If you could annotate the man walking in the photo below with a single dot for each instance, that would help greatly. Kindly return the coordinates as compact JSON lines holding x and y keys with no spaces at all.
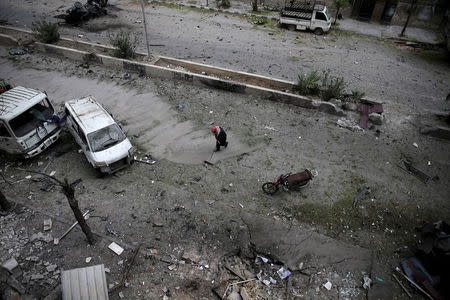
{"x":221,"y":137}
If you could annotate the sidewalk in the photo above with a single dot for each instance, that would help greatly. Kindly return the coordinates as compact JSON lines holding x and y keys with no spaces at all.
{"x":388,"y":31}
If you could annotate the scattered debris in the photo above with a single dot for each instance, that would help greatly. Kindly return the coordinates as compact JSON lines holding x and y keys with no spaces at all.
{"x":79,"y":13}
{"x":47,"y":224}
{"x":348,"y":124}
{"x":408,"y":168}
{"x":88,"y":259}
{"x":415,"y":145}
{"x":413,"y":283}
{"x":361,"y":193}
{"x":328,"y":285}
{"x":18,"y":51}
{"x":57,"y":240}
{"x":366,"y":108}
{"x":401,"y":285}
{"x":10,"y":264}
{"x":283,"y":273}
{"x":261,"y":259}
{"x":367,"y":282}
{"x":115,"y":248}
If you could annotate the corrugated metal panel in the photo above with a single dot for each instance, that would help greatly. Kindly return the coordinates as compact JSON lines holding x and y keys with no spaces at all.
{"x":84,"y":283}
{"x":17,"y":100}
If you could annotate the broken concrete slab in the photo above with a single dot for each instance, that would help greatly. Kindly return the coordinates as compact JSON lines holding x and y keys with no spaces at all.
{"x":293,"y":245}
{"x":10,"y":264}
{"x":437,"y":131}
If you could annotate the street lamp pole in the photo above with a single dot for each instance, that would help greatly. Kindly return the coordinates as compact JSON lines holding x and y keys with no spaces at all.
{"x":145,"y":27}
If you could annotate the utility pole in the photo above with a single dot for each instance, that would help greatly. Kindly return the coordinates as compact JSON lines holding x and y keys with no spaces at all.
{"x":145,"y":27}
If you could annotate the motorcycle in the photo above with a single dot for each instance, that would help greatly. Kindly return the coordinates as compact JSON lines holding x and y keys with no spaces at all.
{"x":289,"y":181}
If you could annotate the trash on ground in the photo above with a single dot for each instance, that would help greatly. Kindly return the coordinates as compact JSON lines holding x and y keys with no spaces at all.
{"x":47,"y":224}
{"x":261,"y":259}
{"x":409,"y":168}
{"x":18,"y":51}
{"x":283,"y":273}
{"x":328,"y":285}
{"x":348,"y":124}
{"x":88,"y":259}
{"x":52,"y":173}
{"x":415,"y":145}
{"x":367,"y":282}
{"x":115,"y":248}
{"x":361,"y":193}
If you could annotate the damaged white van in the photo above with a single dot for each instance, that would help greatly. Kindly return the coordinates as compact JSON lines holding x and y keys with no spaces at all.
{"x":101,"y":139}
{"x":27,"y":122}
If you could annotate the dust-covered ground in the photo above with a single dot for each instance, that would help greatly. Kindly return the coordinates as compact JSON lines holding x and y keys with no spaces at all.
{"x":204,"y":219}
{"x":411,"y":80}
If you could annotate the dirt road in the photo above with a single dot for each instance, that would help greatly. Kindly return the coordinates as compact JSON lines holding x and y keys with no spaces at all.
{"x":398,"y":77}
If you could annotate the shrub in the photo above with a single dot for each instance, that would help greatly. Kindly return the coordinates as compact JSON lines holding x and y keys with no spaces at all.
{"x":46,"y":32}
{"x":357,"y":95}
{"x":223,"y":3}
{"x":332,"y":87}
{"x":124,"y":43}
{"x":308,"y":84}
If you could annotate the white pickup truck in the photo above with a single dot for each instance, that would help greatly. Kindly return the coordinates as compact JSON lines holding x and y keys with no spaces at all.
{"x":302,"y":15}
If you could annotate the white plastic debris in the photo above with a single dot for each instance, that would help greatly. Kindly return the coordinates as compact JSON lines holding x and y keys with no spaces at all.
{"x":328,"y":285}
{"x":266,"y":282}
{"x":259,"y":259}
{"x":415,"y":145}
{"x":47,"y":224}
{"x":272,"y":281}
{"x":367,"y":282}
{"x":115,"y":248}
{"x":283,"y":273}
{"x":52,"y":173}
{"x":429,"y":163}
{"x":88,"y":259}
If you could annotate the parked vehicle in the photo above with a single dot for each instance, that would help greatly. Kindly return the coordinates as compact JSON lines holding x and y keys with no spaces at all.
{"x":101,"y":139}
{"x":27,"y":124}
{"x":305,"y":15}
{"x":289,"y":182}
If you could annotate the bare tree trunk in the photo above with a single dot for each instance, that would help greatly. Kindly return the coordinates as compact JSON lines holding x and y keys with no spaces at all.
{"x":69,"y":192}
{"x":4,"y":203}
{"x":410,"y":11}
{"x":337,"y":14}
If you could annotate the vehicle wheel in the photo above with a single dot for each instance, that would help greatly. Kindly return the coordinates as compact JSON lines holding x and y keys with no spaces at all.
{"x":291,"y":27}
{"x":270,"y":188}
{"x":318,"y":31}
{"x":99,"y":174}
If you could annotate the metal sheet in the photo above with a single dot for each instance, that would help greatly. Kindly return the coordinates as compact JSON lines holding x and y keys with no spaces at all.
{"x":84,"y":283}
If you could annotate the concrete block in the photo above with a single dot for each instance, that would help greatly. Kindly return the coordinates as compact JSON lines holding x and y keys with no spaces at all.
{"x":437,"y":131}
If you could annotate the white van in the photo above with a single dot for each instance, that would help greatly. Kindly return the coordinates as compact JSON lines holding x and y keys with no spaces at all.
{"x":26,"y":128}
{"x":101,"y":139}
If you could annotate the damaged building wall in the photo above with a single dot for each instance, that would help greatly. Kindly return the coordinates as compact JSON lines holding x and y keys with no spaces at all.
{"x":428,"y":13}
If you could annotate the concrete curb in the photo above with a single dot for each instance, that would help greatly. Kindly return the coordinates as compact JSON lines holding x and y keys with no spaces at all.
{"x":8,"y":40}
{"x":154,"y":70}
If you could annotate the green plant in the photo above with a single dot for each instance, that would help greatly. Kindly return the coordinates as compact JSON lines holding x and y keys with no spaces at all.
{"x":332,"y":87}
{"x":46,"y":32}
{"x":357,"y":95}
{"x":308,"y":84}
{"x":340,"y":4}
{"x":223,"y":3}
{"x":124,"y":43}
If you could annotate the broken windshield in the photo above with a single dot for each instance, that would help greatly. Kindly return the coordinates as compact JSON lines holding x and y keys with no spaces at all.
{"x":31,"y":118}
{"x":106,"y":137}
